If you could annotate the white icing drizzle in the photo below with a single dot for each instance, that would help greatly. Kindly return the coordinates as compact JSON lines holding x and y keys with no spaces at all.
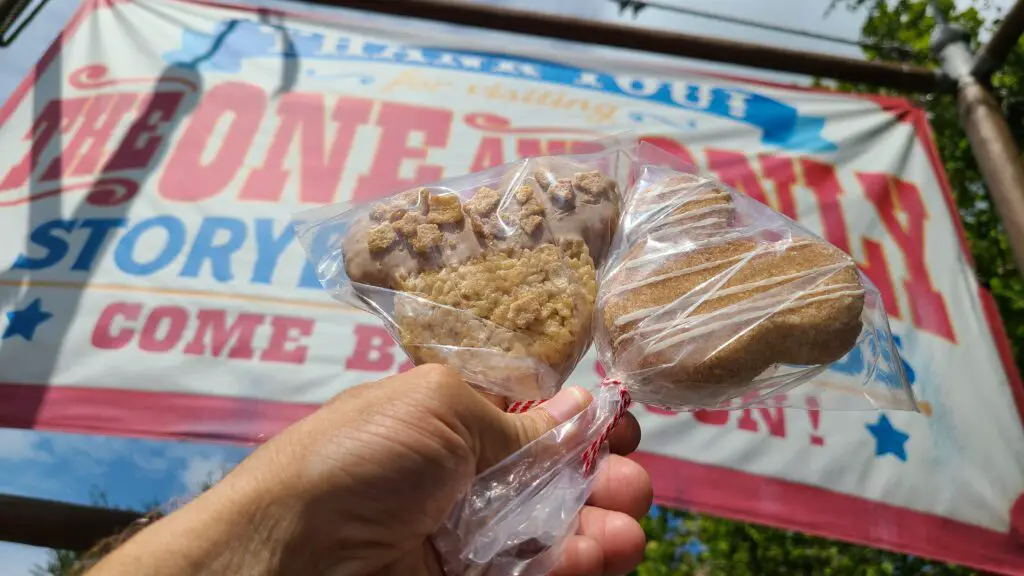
{"x":647,"y":199}
{"x":699,"y":267}
{"x":757,"y":308}
{"x":689,"y":246}
{"x":698,"y":212}
{"x":792,"y":304}
{"x":704,"y":223}
{"x":825,"y":271}
{"x":662,"y":189}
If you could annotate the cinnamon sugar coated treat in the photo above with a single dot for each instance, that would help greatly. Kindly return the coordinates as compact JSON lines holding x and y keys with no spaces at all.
{"x":701,"y":305}
{"x":678,"y":199}
{"x":509,"y":268}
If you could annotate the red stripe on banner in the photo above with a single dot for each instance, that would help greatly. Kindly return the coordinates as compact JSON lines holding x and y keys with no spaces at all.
{"x":1002,"y":342}
{"x":678,"y":483}
{"x":733,"y":494}
{"x":995,"y":322}
{"x":142,"y":414}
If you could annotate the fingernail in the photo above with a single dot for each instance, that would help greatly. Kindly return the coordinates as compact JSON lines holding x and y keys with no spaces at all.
{"x":567,"y":403}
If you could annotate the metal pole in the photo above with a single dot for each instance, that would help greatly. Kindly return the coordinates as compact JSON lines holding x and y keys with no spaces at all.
{"x":891,"y":75}
{"x":51,"y":524}
{"x":992,"y":55}
{"x":987,"y":131}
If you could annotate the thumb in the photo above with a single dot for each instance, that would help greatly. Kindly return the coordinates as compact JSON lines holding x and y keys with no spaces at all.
{"x":514,"y":431}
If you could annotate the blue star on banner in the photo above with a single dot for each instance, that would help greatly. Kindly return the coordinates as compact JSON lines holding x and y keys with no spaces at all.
{"x":888,"y":439}
{"x":24,"y":322}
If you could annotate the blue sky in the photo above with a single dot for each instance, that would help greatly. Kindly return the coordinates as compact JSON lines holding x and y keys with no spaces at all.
{"x":132,"y":473}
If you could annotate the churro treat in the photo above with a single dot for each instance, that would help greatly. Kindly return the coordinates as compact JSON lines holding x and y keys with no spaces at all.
{"x":710,"y":297}
{"x":494,"y":273}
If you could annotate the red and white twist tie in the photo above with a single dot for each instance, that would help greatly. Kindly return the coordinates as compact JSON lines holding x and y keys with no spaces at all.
{"x":522,"y":406}
{"x":592,"y":451}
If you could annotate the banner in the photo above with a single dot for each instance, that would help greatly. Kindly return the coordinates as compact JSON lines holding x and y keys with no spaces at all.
{"x":152,"y":284}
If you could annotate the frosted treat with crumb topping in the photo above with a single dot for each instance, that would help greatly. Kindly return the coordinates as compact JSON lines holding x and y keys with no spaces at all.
{"x":509,"y":266}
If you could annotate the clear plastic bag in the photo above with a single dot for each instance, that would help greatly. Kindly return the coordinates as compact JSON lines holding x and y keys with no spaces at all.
{"x":516,"y":516}
{"x":709,"y":299}
{"x":493,"y":273}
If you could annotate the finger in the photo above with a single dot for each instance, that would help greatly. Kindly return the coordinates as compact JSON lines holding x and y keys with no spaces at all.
{"x":625,"y":437}
{"x":538,"y":421}
{"x":501,"y":434}
{"x":581,"y":556}
{"x":623,"y":486}
{"x":619,"y":537}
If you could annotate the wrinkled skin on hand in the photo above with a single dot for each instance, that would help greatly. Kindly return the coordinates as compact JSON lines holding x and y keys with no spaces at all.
{"x":359,"y":486}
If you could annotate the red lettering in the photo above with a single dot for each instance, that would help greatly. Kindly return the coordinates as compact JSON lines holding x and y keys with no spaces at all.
{"x":780,"y":170}
{"x":659,"y":411}
{"x":712,"y":417}
{"x":163,"y":328}
{"x":57,"y":117}
{"x":398,"y":122}
{"x":302,"y":118}
{"x":876,"y":267}
{"x":529,"y":147}
{"x":893,"y":197}
{"x":285,"y":340}
{"x":107,"y":336}
{"x":734,"y":170}
{"x":821,"y":179}
{"x":489,"y":153}
{"x":198,"y":167}
{"x":145,"y":136}
{"x":215,"y":323}
{"x":88,"y":146}
{"x":372,"y":351}
{"x":774,"y":419}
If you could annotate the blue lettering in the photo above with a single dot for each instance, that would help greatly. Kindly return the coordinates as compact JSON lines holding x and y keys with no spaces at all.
{"x":219,"y":254}
{"x":269,"y":249}
{"x":210,"y":250}
{"x":56,"y":246}
{"x":231,"y":42}
{"x":124,"y":255}
{"x":99,"y":229}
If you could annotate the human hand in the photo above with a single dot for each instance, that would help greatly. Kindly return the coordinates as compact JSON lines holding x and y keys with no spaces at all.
{"x":359,"y":486}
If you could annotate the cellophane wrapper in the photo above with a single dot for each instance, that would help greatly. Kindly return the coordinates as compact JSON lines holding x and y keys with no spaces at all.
{"x":712,"y":300}
{"x":516,"y":516}
{"x":493,"y":273}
